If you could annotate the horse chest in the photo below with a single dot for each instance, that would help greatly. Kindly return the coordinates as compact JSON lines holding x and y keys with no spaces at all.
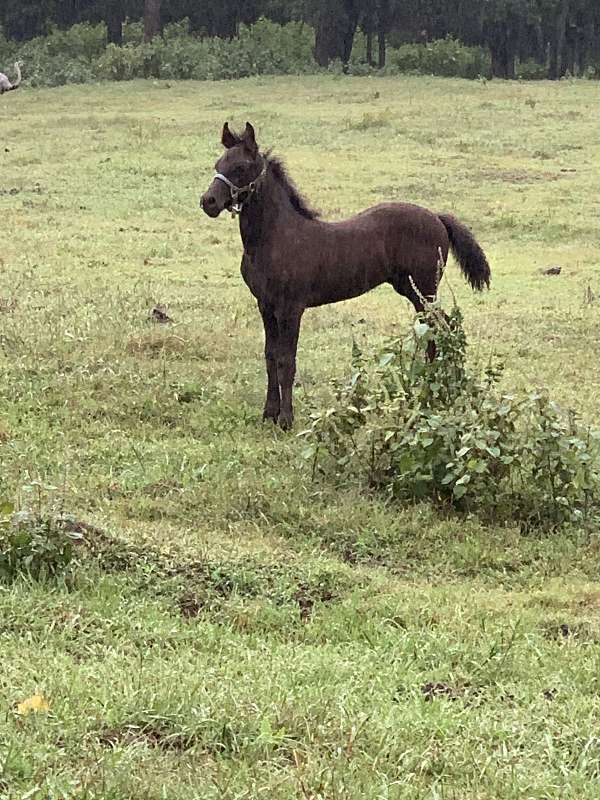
{"x":253,"y":276}
{"x":264,"y":283}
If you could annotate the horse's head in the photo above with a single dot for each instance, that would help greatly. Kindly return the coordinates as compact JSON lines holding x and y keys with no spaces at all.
{"x":237,"y":172}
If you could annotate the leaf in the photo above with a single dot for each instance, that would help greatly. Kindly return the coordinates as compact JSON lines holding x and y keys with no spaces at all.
{"x":308,"y":452}
{"x":6,"y":508}
{"x":35,"y":704}
{"x":421,"y":329}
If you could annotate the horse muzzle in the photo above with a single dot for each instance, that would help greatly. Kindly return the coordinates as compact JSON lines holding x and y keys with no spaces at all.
{"x":210,"y":206}
{"x":215,"y":199}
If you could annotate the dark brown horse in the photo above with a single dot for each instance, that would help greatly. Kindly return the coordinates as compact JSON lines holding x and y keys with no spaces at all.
{"x":293,"y":261}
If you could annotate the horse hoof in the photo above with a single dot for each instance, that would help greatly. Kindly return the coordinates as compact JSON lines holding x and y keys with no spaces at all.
{"x":286,"y":421}
{"x":270,"y":415}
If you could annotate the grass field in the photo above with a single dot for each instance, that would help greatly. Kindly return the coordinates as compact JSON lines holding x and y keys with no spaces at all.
{"x":241,"y":631}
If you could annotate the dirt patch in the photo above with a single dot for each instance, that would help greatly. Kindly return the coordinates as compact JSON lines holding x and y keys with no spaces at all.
{"x":7,"y":305}
{"x":518,"y":176}
{"x":158,"y":735}
{"x":156,"y":345}
{"x":431,"y":691}
{"x":558,"y":631}
{"x":197,"y":587}
{"x":306,"y":604}
{"x":569,"y":632}
{"x":190,"y":605}
{"x":469,"y":694}
{"x":589,"y":600}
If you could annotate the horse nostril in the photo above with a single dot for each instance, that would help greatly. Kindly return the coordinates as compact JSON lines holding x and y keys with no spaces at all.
{"x":210,"y":201}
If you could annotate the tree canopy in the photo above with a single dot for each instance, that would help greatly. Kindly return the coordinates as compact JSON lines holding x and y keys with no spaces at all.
{"x":564,"y":34}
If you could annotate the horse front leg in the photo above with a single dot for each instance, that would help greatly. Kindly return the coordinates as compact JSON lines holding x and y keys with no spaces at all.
{"x":273,"y":401}
{"x":289,"y":330}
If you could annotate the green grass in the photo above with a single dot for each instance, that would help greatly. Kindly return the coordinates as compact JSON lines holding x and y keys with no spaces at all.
{"x":240,"y":631}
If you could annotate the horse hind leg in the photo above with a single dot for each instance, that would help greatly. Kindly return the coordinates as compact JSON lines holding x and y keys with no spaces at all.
{"x":418,"y":294}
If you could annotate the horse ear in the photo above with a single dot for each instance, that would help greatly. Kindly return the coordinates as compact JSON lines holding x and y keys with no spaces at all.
{"x":227,"y":138}
{"x":250,"y":139}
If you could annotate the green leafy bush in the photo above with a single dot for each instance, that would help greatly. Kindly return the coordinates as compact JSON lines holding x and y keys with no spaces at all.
{"x":63,"y":57}
{"x":120,"y":63}
{"x":414,"y":428}
{"x":446,"y":57}
{"x":32,"y":545}
{"x":532,"y":71}
{"x":81,"y":55}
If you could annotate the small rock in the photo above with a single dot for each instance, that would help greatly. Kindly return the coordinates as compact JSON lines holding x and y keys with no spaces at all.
{"x":552,"y":271}
{"x":158,"y":314}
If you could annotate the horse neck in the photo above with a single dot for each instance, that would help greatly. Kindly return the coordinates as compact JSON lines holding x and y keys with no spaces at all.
{"x":265,"y":211}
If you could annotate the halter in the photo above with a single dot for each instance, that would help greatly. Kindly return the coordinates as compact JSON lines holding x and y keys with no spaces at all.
{"x":236,"y":191}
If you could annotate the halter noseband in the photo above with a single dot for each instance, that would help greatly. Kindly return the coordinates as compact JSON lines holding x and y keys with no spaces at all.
{"x":236,"y":191}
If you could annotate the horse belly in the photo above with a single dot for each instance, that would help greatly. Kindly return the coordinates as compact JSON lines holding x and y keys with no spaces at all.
{"x":352,"y":272}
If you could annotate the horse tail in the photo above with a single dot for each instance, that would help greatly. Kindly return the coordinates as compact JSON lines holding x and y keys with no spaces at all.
{"x":468,"y":253}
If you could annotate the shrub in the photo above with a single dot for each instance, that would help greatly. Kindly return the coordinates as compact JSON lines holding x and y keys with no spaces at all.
{"x":120,"y":63}
{"x":414,"y":428}
{"x":33,"y":545}
{"x":81,"y":54}
{"x":532,"y":71}
{"x":446,"y":57}
{"x":82,"y":41}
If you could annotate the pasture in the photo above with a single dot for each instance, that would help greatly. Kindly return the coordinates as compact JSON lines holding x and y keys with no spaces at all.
{"x":239,"y":630}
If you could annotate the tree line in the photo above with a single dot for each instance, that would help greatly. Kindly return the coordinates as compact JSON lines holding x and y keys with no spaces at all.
{"x":562,"y":34}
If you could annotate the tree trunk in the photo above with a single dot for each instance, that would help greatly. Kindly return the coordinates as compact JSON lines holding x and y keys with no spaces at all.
{"x":503,"y":42}
{"x":336,"y":26}
{"x":224,"y":19}
{"x":368,"y":25}
{"x":587,"y":45}
{"x":152,"y":26}
{"x":114,"y":22}
{"x":497,"y":44}
{"x":557,"y":49}
{"x":513,"y":32}
{"x":381,"y":48}
{"x":383,"y":19}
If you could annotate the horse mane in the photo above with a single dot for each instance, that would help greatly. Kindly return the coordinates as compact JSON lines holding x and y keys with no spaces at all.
{"x":280,"y":174}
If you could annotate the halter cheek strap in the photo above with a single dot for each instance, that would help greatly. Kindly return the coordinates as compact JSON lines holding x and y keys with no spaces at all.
{"x":236,"y":191}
